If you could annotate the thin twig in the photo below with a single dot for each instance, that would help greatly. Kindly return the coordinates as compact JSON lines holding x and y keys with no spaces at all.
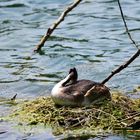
{"x":131,"y":59}
{"x":131,"y":117}
{"x":55,"y":24}
{"x":99,"y":110}
{"x":121,"y":67}
{"x":125,"y":24}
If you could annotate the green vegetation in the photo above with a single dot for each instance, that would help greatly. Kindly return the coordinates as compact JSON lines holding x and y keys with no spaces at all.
{"x":119,"y":113}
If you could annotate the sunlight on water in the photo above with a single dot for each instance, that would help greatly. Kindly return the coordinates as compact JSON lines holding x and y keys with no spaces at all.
{"x":92,"y":38}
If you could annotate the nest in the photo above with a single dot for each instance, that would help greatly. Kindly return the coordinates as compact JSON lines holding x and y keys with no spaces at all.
{"x":122,"y":112}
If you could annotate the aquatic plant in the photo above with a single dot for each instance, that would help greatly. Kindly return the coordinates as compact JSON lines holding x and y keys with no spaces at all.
{"x":120,"y":113}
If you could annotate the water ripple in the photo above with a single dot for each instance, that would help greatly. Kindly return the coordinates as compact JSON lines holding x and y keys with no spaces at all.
{"x":59,"y":38}
{"x":93,"y":38}
{"x":15,"y":5}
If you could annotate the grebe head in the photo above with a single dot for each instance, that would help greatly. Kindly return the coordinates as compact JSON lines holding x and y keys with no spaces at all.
{"x":71,"y":78}
{"x":74,"y":75}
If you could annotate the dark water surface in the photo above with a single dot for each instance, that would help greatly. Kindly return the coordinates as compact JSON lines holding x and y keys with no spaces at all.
{"x":92,"y":39}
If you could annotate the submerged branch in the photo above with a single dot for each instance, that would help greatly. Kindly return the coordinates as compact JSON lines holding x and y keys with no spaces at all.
{"x":55,"y":24}
{"x":121,"y":67}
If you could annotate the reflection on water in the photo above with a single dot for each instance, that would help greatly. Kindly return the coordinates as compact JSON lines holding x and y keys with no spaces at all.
{"x":92,"y":39}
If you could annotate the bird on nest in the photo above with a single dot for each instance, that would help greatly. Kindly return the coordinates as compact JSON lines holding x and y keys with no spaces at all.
{"x":73,"y":92}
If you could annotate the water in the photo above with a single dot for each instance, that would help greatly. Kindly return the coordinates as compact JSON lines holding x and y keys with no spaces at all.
{"x":92,"y":39}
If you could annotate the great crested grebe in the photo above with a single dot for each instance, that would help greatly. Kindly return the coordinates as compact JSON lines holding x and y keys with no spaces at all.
{"x":73,"y":92}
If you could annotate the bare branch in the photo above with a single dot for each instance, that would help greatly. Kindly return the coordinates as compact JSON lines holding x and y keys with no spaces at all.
{"x":126,"y":28}
{"x":121,"y":67}
{"x":132,"y":58}
{"x":55,"y":24}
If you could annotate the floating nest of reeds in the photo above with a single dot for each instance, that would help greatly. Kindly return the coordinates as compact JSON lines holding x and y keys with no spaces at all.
{"x":120,"y":113}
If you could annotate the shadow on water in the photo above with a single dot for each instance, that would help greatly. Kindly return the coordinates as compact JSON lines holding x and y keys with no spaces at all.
{"x":92,"y":39}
